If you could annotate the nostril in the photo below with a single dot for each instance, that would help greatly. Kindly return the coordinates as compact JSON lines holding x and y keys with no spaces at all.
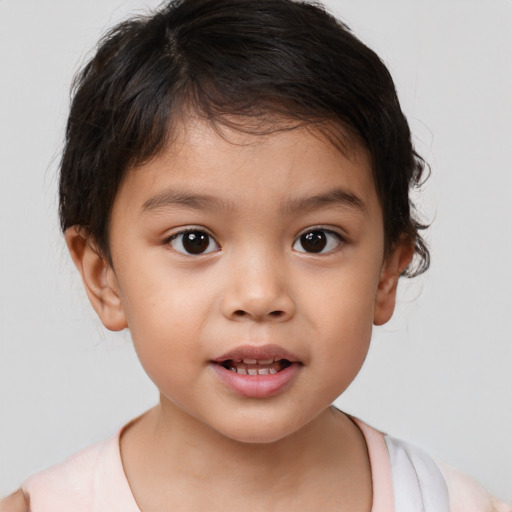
{"x":276,"y":314}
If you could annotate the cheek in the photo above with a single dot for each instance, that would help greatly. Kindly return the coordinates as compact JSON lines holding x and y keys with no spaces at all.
{"x":345,"y":346}
{"x":342,"y":313}
{"x":165,"y":318}
{"x":166,"y":340}
{"x":160,"y":300}
{"x":343,"y":302}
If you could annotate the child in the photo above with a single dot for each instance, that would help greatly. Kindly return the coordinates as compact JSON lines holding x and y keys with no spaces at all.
{"x":235,"y":191}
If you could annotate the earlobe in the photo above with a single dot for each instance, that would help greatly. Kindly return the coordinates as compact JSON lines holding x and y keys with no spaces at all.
{"x":98,"y":278}
{"x":395,"y":263}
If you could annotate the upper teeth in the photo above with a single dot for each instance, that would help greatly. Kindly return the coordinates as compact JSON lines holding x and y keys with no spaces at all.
{"x":259,"y":361}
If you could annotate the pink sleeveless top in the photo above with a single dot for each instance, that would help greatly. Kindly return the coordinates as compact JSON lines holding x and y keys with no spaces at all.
{"x":93,"y":480}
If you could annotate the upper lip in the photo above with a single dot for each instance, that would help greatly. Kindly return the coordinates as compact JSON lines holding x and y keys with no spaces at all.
{"x":258,"y":352}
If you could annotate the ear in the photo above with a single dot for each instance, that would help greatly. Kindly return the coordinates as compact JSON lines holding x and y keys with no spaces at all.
{"x":98,"y":277}
{"x":394,"y":264}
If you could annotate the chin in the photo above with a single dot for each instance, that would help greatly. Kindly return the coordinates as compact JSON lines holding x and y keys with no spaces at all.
{"x":259,"y":437}
{"x":258,"y":431}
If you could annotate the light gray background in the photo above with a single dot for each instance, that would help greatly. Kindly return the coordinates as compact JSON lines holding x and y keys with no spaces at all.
{"x":439,"y":374}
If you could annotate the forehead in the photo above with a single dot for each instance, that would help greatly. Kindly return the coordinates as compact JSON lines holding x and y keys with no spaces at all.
{"x":269,"y":168}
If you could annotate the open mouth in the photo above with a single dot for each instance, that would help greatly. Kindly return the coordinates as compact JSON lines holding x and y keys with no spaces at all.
{"x":256,"y":366}
{"x":257,"y":371}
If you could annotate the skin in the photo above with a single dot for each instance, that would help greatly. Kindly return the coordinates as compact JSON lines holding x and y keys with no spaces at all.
{"x":15,"y":502}
{"x":205,"y":446}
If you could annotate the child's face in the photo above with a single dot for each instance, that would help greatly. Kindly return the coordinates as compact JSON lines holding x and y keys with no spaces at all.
{"x":283,"y":260}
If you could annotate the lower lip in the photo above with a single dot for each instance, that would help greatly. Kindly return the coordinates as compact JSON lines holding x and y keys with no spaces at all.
{"x":257,"y":386}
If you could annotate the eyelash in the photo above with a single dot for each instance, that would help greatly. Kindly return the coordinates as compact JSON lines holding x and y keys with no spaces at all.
{"x":319,"y":238}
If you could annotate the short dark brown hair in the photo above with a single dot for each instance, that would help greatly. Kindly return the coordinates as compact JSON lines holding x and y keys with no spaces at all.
{"x":229,"y":60}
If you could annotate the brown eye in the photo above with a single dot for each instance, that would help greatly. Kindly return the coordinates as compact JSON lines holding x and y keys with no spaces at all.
{"x":317,"y":241}
{"x":193,"y":242}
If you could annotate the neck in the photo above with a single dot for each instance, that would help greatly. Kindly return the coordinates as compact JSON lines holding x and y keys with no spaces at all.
{"x":166,"y":445}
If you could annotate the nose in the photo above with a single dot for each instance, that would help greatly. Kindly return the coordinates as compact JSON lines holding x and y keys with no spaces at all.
{"x":258,"y":290}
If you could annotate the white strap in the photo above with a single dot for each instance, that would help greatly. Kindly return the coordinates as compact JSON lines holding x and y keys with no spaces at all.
{"x":418,"y":483}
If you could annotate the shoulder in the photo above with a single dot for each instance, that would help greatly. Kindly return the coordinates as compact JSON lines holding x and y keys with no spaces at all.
{"x":16,"y":502}
{"x":467,"y":495}
{"x":72,"y":484}
{"x":440,"y":486}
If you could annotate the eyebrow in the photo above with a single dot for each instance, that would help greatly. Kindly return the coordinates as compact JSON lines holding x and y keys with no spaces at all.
{"x":173,"y":198}
{"x":338,"y":198}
